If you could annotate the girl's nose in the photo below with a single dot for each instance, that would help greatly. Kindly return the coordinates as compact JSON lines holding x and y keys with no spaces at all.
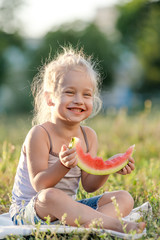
{"x":78,"y":99}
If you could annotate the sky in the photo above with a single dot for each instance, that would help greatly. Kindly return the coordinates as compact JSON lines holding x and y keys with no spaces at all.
{"x":39,"y":16}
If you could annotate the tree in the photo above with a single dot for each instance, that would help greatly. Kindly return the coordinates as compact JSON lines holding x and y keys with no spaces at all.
{"x":139,"y":23}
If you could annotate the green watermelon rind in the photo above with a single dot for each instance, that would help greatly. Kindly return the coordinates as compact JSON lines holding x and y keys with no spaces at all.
{"x":74,"y":143}
{"x":101,"y":172}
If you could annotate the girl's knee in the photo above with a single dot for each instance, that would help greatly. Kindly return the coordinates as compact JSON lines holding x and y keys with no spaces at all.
{"x":49,"y":195}
{"x":126,"y":196}
{"x":126,"y":199}
{"x":122,"y":197}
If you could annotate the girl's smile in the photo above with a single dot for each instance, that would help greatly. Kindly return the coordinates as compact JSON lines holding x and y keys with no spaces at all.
{"x":76,"y":110}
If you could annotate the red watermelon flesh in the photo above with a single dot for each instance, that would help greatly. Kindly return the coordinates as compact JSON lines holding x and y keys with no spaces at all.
{"x":97,"y":165}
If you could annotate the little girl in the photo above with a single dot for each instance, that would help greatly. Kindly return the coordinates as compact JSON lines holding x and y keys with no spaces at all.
{"x":47,"y":178}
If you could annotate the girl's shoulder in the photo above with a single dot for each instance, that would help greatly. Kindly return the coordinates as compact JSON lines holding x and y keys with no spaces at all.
{"x":36,"y":135}
{"x":37,"y":130}
{"x":89,"y":132}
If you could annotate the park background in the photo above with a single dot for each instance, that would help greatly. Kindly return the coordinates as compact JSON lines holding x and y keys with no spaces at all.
{"x":124,"y":39}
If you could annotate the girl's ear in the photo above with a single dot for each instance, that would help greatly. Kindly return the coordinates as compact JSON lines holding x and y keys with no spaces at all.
{"x":49,"y":98}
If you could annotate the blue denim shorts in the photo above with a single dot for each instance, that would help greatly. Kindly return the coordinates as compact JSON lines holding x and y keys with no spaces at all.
{"x":27,"y":215}
{"x":91,"y":202}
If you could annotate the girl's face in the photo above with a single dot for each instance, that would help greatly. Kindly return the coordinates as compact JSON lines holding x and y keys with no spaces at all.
{"x":74,"y":102}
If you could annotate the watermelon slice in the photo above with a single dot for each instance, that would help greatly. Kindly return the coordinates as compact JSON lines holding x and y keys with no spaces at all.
{"x":97,"y":165}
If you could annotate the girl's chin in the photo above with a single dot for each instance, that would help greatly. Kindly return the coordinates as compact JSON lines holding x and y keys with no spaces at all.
{"x":76,"y":119}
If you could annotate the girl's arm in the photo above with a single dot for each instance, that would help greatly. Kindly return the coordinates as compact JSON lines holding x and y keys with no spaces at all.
{"x":92,"y":182}
{"x":37,"y":148}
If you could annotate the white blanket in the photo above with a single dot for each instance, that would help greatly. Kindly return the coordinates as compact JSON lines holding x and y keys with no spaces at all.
{"x":7,"y":228}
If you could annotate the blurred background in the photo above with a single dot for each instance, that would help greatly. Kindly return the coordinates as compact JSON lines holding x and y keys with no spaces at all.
{"x":123,"y":36}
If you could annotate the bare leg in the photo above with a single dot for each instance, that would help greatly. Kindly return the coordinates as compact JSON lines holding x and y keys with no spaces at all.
{"x":55,"y":203}
{"x":123,"y":199}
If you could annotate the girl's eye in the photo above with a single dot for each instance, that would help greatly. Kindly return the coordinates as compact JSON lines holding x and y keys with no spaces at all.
{"x":70,"y":92}
{"x":88,"y":94}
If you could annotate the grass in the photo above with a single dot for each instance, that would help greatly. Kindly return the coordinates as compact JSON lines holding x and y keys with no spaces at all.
{"x":116,"y":132}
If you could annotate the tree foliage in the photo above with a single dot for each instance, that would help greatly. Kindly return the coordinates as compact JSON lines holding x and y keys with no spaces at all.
{"x":9,"y":36}
{"x":7,"y":41}
{"x":139,"y":24}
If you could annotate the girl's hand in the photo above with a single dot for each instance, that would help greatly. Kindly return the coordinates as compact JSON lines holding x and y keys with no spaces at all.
{"x":128,"y":168}
{"x":68,"y":157}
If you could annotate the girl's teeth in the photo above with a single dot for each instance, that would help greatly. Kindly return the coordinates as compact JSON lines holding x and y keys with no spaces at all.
{"x":76,"y":110}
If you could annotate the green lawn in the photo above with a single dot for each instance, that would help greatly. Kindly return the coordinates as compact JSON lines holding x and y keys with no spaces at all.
{"x":116,"y":132}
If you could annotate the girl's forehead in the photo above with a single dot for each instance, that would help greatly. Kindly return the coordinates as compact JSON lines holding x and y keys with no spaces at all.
{"x":77,"y":78}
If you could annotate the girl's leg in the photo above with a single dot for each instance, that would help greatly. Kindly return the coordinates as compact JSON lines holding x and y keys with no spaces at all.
{"x":123,"y":199}
{"x":55,"y":203}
